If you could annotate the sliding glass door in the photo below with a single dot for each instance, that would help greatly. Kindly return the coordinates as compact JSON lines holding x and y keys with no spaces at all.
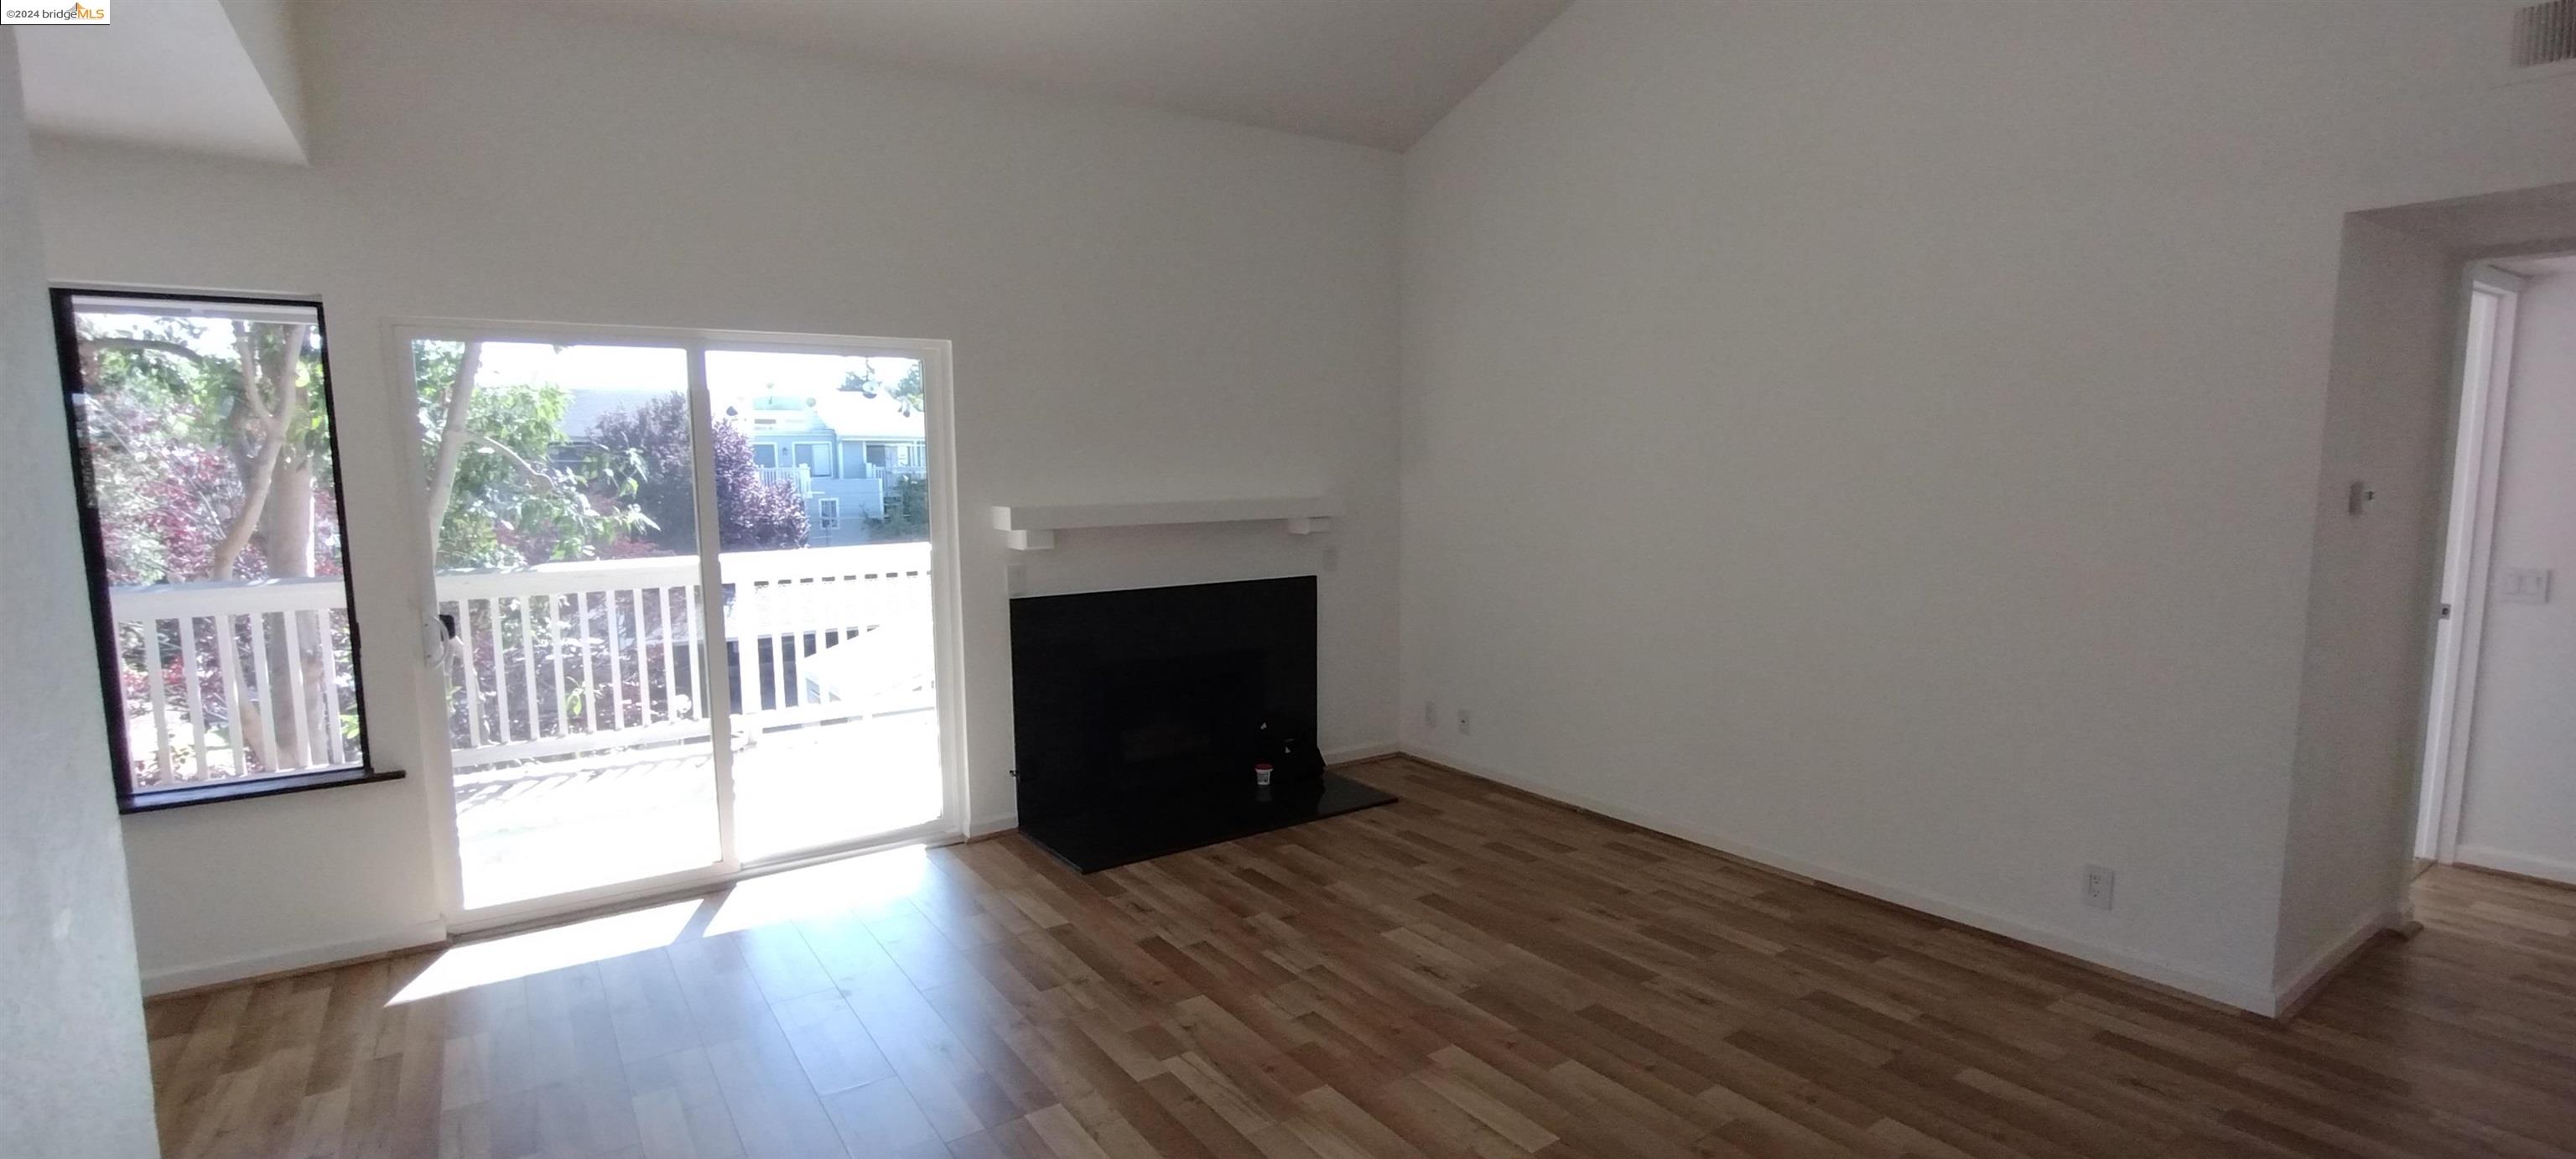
{"x":827,"y":574}
{"x":686,"y":590}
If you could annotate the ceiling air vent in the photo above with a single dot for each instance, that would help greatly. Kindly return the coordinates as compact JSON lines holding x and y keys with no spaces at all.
{"x":2544,"y":33}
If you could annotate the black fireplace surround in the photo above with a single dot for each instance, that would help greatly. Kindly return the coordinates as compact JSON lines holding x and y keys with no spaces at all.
{"x":1140,"y":714}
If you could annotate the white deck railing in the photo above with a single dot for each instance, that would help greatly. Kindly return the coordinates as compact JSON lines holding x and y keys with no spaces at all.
{"x":577,"y":657}
{"x":553,"y":660}
{"x":261,"y":685}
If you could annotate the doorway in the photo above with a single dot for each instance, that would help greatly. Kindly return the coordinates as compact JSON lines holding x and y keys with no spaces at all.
{"x":686,"y":627}
{"x":2491,"y":296}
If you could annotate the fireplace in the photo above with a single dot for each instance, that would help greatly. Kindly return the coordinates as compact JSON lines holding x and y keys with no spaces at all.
{"x":1141,"y":714}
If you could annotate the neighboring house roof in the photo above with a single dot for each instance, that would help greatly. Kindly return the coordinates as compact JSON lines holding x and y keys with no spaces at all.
{"x":856,"y":416}
{"x":845,"y":413}
{"x":589,"y":406}
{"x":776,"y":415}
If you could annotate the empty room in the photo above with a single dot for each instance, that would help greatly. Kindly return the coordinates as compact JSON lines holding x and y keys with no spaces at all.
{"x":1305,"y":579}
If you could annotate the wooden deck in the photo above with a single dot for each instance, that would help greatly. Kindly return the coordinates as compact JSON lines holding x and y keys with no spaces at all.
{"x":556,"y":826}
{"x":1470,"y":972}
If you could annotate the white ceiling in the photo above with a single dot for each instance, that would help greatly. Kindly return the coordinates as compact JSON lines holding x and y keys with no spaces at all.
{"x":183,"y":74}
{"x":1372,"y":72}
{"x":2541,"y":267}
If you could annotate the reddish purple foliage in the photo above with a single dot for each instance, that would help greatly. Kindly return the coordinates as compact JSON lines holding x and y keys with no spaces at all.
{"x":647,"y":448}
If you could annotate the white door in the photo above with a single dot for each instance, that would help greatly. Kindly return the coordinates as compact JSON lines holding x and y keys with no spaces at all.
{"x":2486,"y":343}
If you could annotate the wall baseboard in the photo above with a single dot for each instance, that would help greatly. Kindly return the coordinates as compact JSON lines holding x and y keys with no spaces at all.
{"x":2253,"y":998}
{"x":161,"y":983}
{"x":2277,"y":1001}
{"x":1353,"y":754}
{"x":2518,"y":864}
{"x":2312,"y":975}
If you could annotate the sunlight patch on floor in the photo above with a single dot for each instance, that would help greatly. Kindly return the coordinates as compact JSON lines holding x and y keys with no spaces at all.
{"x":850,"y":883}
{"x":554,"y":948}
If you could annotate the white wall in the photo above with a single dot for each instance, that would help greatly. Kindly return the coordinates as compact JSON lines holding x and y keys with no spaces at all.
{"x":266,"y":29}
{"x":199,"y":75}
{"x":1142,"y":305}
{"x":74,"y":1079}
{"x":2372,"y":589}
{"x":2519,"y":808}
{"x":1885,"y":439}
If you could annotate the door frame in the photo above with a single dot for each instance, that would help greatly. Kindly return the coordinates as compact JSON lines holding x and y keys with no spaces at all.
{"x":948,"y":641}
{"x":2468,"y":546}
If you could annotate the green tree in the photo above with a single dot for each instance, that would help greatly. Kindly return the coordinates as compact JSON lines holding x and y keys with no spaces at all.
{"x":495,"y":497}
{"x":210,"y":450}
{"x":644,"y":456}
{"x":239,"y":390}
{"x":905,"y":389}
{"x":907,"y":512}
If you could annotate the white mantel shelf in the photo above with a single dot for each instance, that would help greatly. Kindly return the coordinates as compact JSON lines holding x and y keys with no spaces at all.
{"x":1032,"y":526}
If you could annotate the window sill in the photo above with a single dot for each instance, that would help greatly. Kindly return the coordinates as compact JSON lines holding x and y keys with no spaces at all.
{"x":163,"y":799}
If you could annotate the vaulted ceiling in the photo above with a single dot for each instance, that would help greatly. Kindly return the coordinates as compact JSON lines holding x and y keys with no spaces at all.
{"x":220,"y":75}
{"x":1372,"y":72}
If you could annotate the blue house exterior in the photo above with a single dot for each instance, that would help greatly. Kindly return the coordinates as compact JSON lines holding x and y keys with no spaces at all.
{"x":844,"y":452}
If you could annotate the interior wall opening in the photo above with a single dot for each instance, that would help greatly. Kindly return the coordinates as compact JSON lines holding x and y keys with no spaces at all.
{"x":2492,"y":791}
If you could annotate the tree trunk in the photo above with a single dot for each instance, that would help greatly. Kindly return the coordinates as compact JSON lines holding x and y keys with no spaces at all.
{"x":452,"y":437}
{"x":275,"y":415}
{"x":286,"y":535}
{"x":258,"y":471}
{"x":277,"y":504}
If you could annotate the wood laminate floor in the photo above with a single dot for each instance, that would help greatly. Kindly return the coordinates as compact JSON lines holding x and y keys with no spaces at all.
{"x":1472,"y":972}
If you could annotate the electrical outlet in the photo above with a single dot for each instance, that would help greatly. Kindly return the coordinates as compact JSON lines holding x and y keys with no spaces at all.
{"x":1462,"y":723}
{"x":1431,"y":716}
{"x":2097,"y":886}
{"x":2522,"y":585}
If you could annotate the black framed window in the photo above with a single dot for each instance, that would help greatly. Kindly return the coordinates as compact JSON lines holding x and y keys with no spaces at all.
{"x":207,"y":467}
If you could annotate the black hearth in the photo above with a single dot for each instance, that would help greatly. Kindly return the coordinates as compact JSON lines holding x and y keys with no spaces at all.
{"x":1141,"y":714}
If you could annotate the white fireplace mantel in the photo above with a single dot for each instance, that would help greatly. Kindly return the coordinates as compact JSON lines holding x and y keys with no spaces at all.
{"x":1032,"y":526}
